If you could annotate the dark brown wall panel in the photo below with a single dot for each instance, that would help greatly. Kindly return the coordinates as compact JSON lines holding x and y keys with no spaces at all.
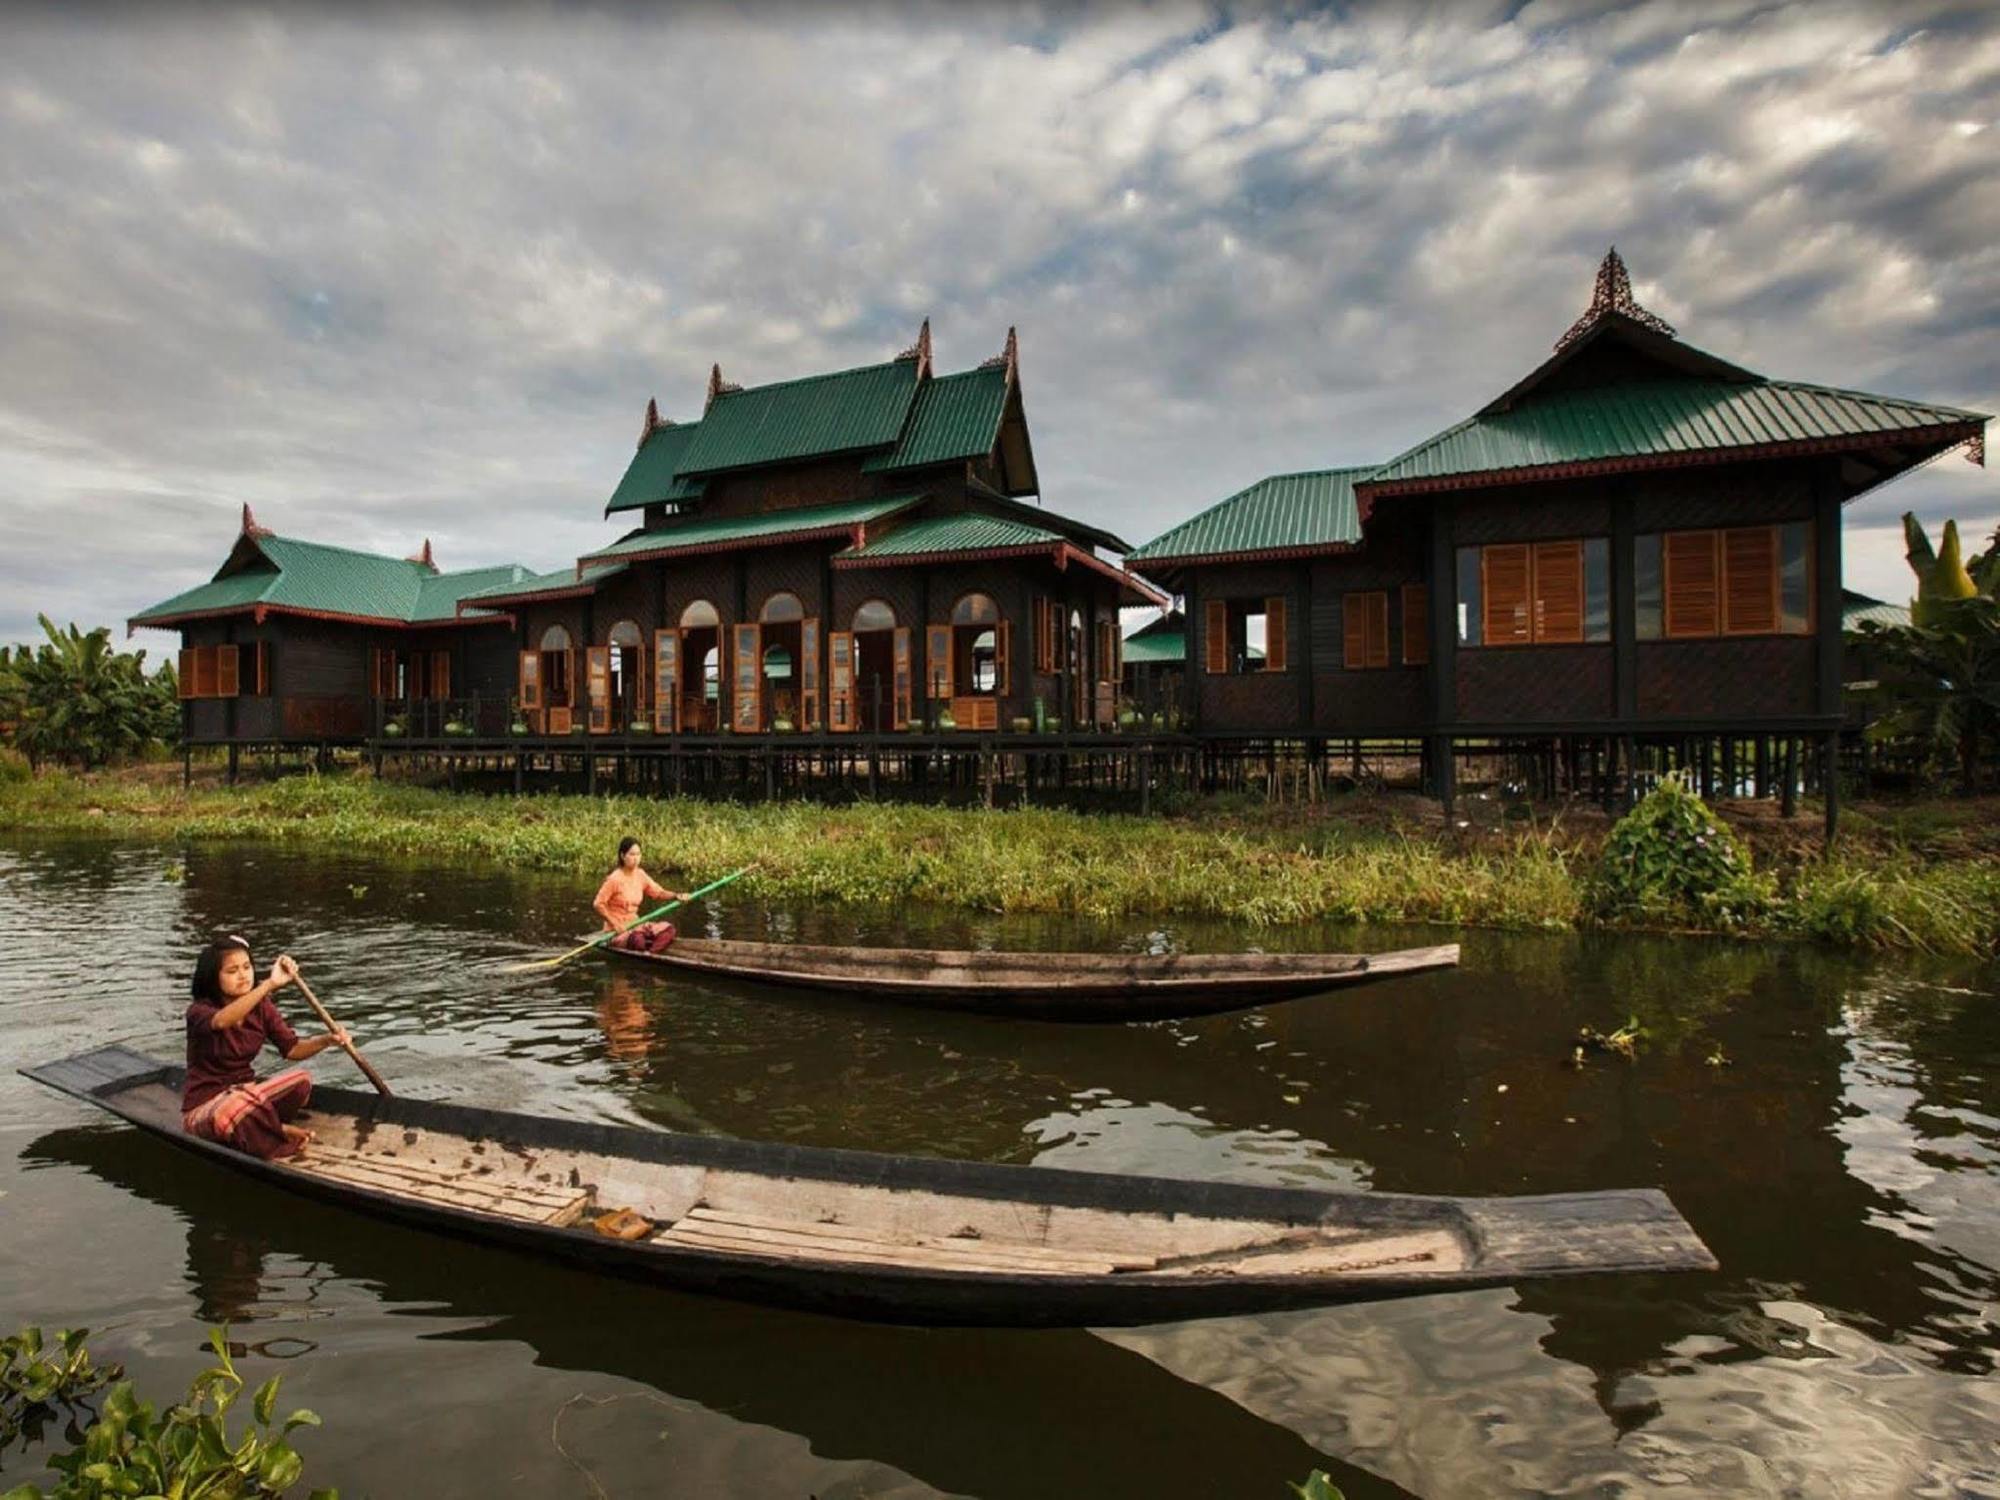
{"x":1363,"y":702}
{"x":1534,"y":684}
{"x":1769,"y":676}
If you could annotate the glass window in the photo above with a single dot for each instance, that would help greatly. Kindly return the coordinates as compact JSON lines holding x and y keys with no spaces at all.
{"x":1647,"y":593}
{"x":555,"y":638}
{"x":699,"y":614}
{"x":975,"y":609}
{"x":1468,"y":596}
{"x":1795,"y":578}
{"x":985,"y":655}
{"x":777,"y":663}
{"x":1596,"y":589}
{"x":782,"y":609}
{"x":874,"y":615}
{"x":624,"y":635}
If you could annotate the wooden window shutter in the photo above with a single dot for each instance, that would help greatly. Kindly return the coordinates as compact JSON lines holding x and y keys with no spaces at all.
{"x":1504,"y":588}
{"x":1215,"y":635}
{"x":840,"y":681}
{"x":597,"y":682}
{"x":937,"y":661}
{"x":1416,"y":625}
{"x":1750,"y":580}
{"x":1558,"y":591}
{"x":184,"y":673}
{"x":903,"y":686}
{"x":1688,"y":560}
{"x":1277,"y":638}
{"x":809,"y":674}
{"x":1378,"y":628}
{"x":440,"y":674}
{"x":529,"y":681}
{"x":1003,"y":656}
{"x":375,"y":672}
{"x":1038,"y":623}
{"x":747,"y":700}
{"x":260,"y":669}
{"x":1354,"y":632}
{"x":666,"y":680}
{"x":228,"y":664}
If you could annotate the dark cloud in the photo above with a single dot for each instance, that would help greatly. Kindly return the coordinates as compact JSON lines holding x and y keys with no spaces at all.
{"x":399,"y":275}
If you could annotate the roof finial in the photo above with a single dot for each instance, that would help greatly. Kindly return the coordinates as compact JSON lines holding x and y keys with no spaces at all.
{"x":717,"y":386}
{"x":424,"y":556}
{"x":1008,"y":359}
{"x":1613,"y":295}
{"x":652,"y":420}
{"x":250,"y":526}
{"x":920,"y":351}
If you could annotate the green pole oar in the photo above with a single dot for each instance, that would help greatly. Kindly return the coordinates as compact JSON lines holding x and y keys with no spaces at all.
{"x":644,"y":917}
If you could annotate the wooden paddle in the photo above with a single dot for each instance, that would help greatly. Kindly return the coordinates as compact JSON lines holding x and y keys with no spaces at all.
{"x":331,"y":1025}
{"x":638,"y":921}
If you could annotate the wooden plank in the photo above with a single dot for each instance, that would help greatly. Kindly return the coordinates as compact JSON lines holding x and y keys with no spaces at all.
{"x":483,"y":1197}
{"x":874,"y":1253}
{"x":1012,"y":1249}
{"x":432,"y":1172}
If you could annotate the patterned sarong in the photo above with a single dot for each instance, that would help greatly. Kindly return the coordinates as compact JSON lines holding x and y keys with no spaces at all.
{"x":260,"y":1105}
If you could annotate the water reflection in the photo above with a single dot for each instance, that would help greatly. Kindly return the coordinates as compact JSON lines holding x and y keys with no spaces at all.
{"x":1829,"y":1123}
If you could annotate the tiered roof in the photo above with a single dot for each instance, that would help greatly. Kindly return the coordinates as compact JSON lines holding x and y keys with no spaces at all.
{"x":266,"y":574}
{"x":1620,"y":394}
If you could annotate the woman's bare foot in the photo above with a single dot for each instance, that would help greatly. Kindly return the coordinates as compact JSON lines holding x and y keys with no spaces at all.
{"x":299,"y":1136}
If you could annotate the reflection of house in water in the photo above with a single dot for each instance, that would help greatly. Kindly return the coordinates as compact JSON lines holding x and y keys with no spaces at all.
{"x":621,"y":1014}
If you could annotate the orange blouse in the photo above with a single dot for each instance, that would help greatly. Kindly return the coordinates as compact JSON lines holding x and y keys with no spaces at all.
{"x":620,"y":896}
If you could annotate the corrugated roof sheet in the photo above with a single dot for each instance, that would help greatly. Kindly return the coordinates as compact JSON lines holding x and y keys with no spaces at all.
{"x":1283,"y":512}
{"x":763,"y":526}
{"x":1155,"y":646}
{"x":960,"y":533}
{"x":1858,"y":609}
{"x":530,"y":584}
{"x":1656,"y":417}
{"x":313,"y":576}
{"x":652,"y":476}
{"x":794,"y":419}
{"x":956,"y":417}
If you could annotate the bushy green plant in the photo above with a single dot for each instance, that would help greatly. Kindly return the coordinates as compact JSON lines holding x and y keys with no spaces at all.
{"x":186,"y":1451}
{"x":75,"y":700}
{"x":1671,"y":859}
{"x":36,"y":1381}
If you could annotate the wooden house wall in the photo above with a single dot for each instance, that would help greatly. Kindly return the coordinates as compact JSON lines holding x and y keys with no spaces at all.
{"x":1371,"y":700}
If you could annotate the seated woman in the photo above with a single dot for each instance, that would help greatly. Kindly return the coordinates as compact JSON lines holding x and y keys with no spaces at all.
{"x":229,"y":1021}
{"x":627,"y":888}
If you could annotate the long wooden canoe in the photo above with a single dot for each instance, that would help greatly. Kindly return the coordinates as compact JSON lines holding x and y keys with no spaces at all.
{"x":901,"y":1238}
{"x":1052,"y":986}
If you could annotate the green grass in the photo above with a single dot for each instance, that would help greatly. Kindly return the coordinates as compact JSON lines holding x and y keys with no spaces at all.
{"x":1257,"y":867}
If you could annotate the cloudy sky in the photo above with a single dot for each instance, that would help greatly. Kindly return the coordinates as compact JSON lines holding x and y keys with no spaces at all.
{"x":410,"y":276}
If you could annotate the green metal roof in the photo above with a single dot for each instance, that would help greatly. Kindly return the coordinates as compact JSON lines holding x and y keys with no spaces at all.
{"x":1859,"y":609}
{"x":1286,"y":512}
{"x":1655,"y":418}
{"x":794,"y":419}
{"x":930,"y":535}
{"x":652,"y":476}
{"x":1153,"y":647}
{"x":530,"y":584}
{"x":691,"y":532}
{"x":957,"y":417}
{"x":279,"y":572}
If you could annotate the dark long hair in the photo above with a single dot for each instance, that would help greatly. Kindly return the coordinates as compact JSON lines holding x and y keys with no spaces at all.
{"x":207,"y":981}
{"x":625,"y":843}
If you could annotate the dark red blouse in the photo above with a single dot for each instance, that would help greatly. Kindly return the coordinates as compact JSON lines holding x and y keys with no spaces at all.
{"x":218,"y":1060}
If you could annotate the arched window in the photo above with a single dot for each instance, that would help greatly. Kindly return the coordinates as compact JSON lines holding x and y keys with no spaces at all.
{"x":556,"y":668}
{"x":625,"y":634}
{"x":874,"y":615}
{"x":781,"y":609}
{"x":975,"y":644}
{"x":975,"y":609}
{"x":555,"y":638}
{"x":627,"y":672}
{"x":711,"y":675}
{"x":698,"y":615}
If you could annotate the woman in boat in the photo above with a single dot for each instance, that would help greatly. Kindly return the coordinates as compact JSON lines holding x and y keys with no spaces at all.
{"x":230,"y":1019}
{"x":627,"y":888}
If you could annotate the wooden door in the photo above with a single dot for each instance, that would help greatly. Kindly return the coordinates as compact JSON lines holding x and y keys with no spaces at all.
{"x":809,"y":674}
{"x":747,"y":700}
{"x":666,"y":680}
{"x":597,"y":683}
{"x":840,"y":681}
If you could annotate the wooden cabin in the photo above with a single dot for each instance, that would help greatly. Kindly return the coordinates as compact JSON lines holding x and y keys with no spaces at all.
{"x":1636,"y":539}
{"x":851,"y":553}
{"x":296,"y":643}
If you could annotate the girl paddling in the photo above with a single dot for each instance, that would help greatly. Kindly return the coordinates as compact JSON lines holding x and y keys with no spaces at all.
{"x":229,"y":1021}
{"x":627,"y":888}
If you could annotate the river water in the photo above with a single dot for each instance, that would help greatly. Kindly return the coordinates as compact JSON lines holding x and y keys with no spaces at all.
{"x":1829,"y":1123}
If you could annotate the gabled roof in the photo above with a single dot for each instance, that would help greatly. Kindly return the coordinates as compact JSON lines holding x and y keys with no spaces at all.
{"x":564,"y":583}
{"x":266,"y":573}
{"x":684,"y":534}
{"x":1857,"y":609}
{"x":1635,"y":425}
{"x":1286,"y":515}
{"x":653,"y":476}
{"x":795,"y":419}
{"x":928,"y":536}
{"x":1158,"y":641}
{"x":957,"y":417}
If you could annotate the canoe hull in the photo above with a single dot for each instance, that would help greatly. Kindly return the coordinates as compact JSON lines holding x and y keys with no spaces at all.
{"x":1046,"y":986}
{"x":1571,"y":1234}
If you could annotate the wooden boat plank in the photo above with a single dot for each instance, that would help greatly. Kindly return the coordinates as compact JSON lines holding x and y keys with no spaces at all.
{"x":485,"y":1198}
{"x":430,"y":1171}
{"x":973,"y":1247}
{"x":772,"y":1243}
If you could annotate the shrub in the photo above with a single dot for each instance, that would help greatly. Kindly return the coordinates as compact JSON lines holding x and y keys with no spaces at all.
{"x":1671,"y":859}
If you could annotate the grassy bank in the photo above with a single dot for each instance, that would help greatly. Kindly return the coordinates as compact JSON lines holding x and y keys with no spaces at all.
{"x":1906,"y":880}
